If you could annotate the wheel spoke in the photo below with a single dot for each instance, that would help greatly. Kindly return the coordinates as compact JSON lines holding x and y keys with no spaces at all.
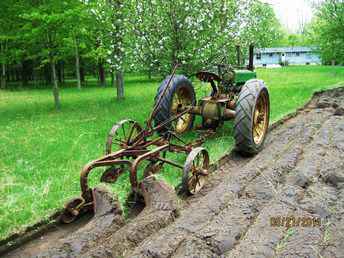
{"x":121,"y":135}
{"x":195,"y":183}
{"x":123,"y":132}
{"x":199,"y":161}
{"x":198,"y":179}
{"x":196,"y":162}
{"x":120,"y":141}
{"x":131,"y":133}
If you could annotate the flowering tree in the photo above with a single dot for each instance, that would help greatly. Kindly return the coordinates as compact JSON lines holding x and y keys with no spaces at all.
{"x":195,"y":33}
{"x":111,"y":17}
{"x":148,"y":36}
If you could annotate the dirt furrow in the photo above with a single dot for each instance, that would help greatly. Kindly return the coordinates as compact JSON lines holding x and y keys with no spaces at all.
{"x":268,"y":241}
{"x":262,"y":186}
{"x":237,"y":201}
{"x":299,"y":174}
{"x":321,"y":160}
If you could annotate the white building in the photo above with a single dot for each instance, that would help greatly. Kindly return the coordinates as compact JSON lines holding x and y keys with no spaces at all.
{"x":286,"y":55}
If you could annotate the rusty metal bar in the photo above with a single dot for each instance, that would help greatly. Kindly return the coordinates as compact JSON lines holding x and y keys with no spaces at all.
{"x":133,"y":169}
{"x":93,"y":164}
{"x":228,"y":114}
{"x":178,"y":148}
{"x":171,"y":119}
{"x":175,"y":164}
{"x":157,"y":142}
{"x":124,"y":152}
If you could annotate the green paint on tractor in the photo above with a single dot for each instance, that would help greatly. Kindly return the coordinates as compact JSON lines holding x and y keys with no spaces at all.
{"x":242,"y":76}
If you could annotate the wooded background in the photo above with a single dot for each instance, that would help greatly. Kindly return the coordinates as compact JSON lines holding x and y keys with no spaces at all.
{"x":46,"y":42}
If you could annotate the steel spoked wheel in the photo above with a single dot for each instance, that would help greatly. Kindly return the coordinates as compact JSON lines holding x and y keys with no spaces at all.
{"x":195,"y":171}
{"x":180,"y":100}
{"x":122,"y":135}
{"x":260,"y":119}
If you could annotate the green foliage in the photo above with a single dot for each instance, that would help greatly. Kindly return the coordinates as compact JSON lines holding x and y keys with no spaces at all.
{"x":328,"y":30}
{"x":292,"y":40}
{"x":262,"y":27}
{"x":43,"y":151}
{"x":194,"y":35}
{"x":146,"y":36}
{"x":10,"y":46}
{"x":45,"y":28}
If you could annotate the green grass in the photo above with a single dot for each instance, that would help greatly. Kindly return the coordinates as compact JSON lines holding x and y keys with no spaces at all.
{"x":42,"y":151}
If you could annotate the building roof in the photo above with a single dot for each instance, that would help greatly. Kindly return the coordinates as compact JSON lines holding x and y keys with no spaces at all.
{"x":285,"y":49}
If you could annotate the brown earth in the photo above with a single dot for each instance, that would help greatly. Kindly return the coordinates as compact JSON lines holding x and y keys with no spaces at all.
{"x":299,"y":175}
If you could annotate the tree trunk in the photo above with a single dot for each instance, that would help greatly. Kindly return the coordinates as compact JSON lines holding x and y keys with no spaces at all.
{"x":8,"y":74}
{"x":59,"y":72}
{"x":113,"y":81}
{"x":3,"y":67}
{"x":120,"y":85}
{"x":101,"y":74}
{"x":77,"y":63}
{"x":25,"y":72}
{"x":17,"y":74}
{"x":82,"y":73}
{"x":47,"y":74}
{"x":3,"y":76}
{"x":55,"y":85}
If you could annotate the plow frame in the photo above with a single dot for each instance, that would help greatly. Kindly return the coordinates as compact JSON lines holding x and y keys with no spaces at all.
{"x":143,"y":147}
{"x":132,"y":156}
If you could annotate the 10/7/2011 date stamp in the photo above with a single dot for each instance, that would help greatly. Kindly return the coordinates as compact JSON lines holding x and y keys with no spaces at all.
{"x":292,"y":221}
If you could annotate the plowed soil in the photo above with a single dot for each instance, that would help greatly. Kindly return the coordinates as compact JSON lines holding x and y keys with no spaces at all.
{"x":298,"y":176}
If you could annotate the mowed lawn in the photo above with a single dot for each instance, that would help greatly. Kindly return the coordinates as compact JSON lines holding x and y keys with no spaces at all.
{"x":42,"y":151}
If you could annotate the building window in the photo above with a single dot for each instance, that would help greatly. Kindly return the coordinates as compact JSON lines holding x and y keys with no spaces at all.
{"x":270,"y":54}
{"x":259,"y":56}
{"x":297,"y":54}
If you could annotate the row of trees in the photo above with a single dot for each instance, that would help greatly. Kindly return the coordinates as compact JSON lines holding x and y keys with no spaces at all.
{"x":327,"y":30}
{"x":48,"y":40}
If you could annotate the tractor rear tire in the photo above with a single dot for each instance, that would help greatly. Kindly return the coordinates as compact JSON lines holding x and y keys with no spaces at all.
{"x":252,"y":117}
{"x":180,"y":93}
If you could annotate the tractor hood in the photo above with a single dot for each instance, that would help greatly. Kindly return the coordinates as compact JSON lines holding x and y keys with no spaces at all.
{"x":242,"y":76}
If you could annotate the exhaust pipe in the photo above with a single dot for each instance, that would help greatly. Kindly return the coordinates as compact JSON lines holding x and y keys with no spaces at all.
{"x":250,"y":60}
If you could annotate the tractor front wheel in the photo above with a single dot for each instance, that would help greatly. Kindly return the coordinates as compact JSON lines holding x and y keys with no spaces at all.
{"x":252,"y":117}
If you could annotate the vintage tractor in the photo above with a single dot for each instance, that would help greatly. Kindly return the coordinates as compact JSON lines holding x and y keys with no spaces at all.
{"x":235,"y":94}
